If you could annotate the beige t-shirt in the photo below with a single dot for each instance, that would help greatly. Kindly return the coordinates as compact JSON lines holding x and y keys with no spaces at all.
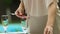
{"x":37,"y":7}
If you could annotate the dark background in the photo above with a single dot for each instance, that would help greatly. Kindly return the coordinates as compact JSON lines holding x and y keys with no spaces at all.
{"x":59,"y":3}
{"x":12,"y":4}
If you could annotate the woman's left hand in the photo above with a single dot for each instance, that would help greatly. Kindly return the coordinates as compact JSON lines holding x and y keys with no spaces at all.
{"x":48,"y":30}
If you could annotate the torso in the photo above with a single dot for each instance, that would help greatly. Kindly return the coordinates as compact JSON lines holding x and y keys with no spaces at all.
{"x":36,"y":7}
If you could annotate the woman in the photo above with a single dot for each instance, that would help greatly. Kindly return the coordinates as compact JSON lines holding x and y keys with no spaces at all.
{"x":38,"y":11}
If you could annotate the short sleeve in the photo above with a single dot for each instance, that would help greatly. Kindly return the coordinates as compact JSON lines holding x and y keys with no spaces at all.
{"x":48,"y":2}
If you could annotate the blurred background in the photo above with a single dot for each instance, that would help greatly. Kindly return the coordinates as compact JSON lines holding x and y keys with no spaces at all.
{"x":7,"y":7}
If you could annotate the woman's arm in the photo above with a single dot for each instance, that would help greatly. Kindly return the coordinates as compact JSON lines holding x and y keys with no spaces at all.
{"x":20,"y":9}
{"x":51,"y":13}
{"x":51,"y":18}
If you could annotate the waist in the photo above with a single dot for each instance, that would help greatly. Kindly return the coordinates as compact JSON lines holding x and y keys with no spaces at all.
{"x":36,"y":14}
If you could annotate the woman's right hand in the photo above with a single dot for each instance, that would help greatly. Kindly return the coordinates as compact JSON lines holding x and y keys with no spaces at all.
{"x":17,"y":12}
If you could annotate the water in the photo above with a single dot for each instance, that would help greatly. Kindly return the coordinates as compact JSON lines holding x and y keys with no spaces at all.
{"x":5,"y":22}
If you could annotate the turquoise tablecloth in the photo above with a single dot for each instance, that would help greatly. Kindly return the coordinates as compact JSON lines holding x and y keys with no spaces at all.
{"x":12,"y":28}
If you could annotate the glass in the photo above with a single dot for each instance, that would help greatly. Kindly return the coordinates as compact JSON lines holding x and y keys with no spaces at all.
{"x":23,"y":24}
{"x":4,"y":20}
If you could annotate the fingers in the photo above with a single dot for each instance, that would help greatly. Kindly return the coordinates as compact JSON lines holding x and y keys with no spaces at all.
{"x":51,"y":31}
{"x":45,"y":31}
{"x":17,"y":13}
{"x":48,"y":30}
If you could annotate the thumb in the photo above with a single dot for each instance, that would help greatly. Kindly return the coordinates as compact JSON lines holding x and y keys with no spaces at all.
{"x":46,"y":31}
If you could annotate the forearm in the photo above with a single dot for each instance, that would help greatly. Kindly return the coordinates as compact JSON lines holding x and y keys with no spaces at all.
{"x":21,"y":5}
{"x":52,"y":14}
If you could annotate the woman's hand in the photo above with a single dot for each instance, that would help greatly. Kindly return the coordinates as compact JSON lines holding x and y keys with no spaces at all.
{"x":20,"y":11}
{"x":19,"y":14}
{"x":48,"y":30}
